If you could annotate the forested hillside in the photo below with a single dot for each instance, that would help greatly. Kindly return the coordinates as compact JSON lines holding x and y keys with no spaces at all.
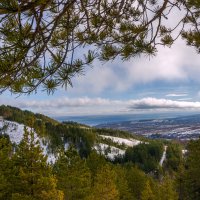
{"x":91,"y":164}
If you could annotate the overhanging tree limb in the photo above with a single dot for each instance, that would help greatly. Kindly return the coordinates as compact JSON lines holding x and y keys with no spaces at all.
{"x":47,"y":42}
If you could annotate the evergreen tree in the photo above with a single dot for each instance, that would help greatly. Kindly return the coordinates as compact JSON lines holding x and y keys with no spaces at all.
{"x":104,"y":187}
{"x":192,"y":172}
{"x":173,"y":157}
{"x":180,"y":182}
{"x":5,"y":168}
{"x":147,"y":193}
{"x":33,"y":178}
{"x":74,"y":177}
{"x":95,"y":162}
{"x":122,"y":184}
{"x":167,"y":189}
{"x":136,"y":181}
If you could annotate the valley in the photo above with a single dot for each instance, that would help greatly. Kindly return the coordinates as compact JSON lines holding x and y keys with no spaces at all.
{"x":181,"y":128}
{"x":78,"y":156}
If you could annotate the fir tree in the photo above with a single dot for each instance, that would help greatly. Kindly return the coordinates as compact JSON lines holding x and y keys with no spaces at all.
{"x":104,"y":187}
{"x":5,"y":168}
{"x":33,"y":178}
{"x":74,"y":177}
{"x":122,"y":184}
{"x":167,"y":189}
{"x":192,"y":172}
{"x":147,"y":193}
{"x":136,"y":180}
{"x":95,"y":162}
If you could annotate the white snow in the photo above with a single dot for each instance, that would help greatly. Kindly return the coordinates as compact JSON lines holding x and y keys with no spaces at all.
{"x":16,"y":132}
{"x":109,"y":151}
{"x":128,"y":142}
{"x":13,"y":129}
{"x":163,"y":156}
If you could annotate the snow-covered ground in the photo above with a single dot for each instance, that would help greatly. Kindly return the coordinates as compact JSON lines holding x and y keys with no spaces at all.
{"x":109,"y":151}
{"x":13,"y":129}
{"x":163,"y":156}
{"x":128,"y":142}
{"x":16,"y":132}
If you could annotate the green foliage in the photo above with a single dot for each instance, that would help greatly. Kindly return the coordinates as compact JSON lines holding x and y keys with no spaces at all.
{"x":173,"y":157}
{"x":104,"y":185}
{"x":117,"y":133}
{"x":145,"y":156}
{"x":81,"y":173}
{"x":74,"y":177}
{"x":167,"y":189}
{"x":56,"y":133}
{"x":136,"y":181}
{"x":32,"y":177}
{"x":95,"y":162}
{"x":82,"y":138}
{"x":44,"y":53}
{"x":191,"y":176}
{"x":122,"y":184}
{"x":25,"y":117}
{"x":5,"y":168}
{"x":147,"y":193}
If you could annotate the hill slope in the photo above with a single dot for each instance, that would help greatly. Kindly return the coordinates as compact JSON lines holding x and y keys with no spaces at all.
{"x":54,"y":135}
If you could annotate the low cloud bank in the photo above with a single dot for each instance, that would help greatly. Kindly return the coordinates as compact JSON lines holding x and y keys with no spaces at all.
{"x":154,"y":103}
{"x":86,"y":105}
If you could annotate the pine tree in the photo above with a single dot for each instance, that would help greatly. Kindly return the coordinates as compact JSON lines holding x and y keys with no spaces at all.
{"x":104,"y":187}
{"x":167,"y":189}
{"x":122,"y":184}
{"x":42,"y":54}
{"x":5,"y":168}
{"x":95,"y":162}
{"x":74,"y":177}
{"x":192,"y":172}
{"x":33,"y":178}
{"x":180,"y":182}
{"x":136,"y":181}
{"x":147,"y":193}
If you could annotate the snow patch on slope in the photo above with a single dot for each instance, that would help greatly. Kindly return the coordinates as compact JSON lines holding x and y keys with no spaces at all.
{"x":16,"y":131}
{"x":13,"y":129}
{"x":109,"y":151}
{"x":128,"y":142}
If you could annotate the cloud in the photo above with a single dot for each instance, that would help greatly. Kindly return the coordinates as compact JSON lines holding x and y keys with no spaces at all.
{"x":69,"y":106}
{"x":69,"y":102}
{"x":159,"y":104}
{"x":184,"y":99}
{"x":177,"y":95}
{"x":177,"y":66}
{"x":95,"y":106}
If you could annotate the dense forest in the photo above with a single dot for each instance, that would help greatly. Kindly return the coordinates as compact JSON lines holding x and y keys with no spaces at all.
{"x":81,"y":172}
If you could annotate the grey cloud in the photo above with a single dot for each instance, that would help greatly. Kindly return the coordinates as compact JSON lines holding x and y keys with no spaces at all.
{"x":153,"y":103}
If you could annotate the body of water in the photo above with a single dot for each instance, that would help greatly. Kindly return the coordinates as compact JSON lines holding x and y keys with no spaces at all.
{"x":94,"y":120}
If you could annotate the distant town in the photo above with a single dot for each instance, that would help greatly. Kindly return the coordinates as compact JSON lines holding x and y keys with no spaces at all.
{"x":181,"y":128}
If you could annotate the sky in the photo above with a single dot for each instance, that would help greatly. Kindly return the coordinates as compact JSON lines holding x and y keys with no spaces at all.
{"x":168,"y":82}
